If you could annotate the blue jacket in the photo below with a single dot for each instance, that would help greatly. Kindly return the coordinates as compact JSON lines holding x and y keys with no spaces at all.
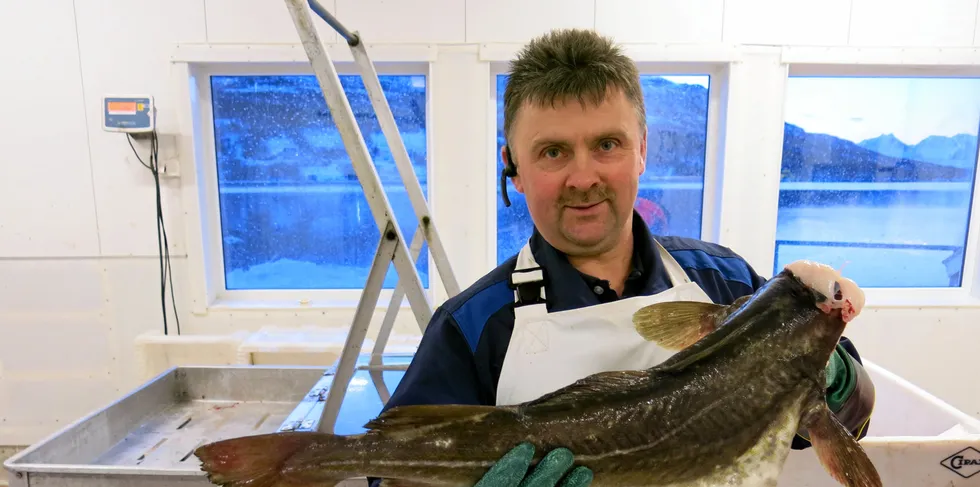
{"x":461,"y":352}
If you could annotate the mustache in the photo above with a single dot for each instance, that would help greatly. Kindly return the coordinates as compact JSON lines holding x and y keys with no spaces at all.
{"x":595,"y":194}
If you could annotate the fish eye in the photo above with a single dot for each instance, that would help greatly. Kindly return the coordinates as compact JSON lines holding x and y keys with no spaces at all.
{"x":838,"y":295}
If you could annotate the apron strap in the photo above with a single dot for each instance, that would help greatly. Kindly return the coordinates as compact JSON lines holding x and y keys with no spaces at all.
{"x":527,"y":280}
{"x":674,"y":270}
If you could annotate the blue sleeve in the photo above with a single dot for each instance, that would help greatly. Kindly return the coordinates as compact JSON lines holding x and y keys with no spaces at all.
{"x":757,"y":280}
{"x":443,"y":370}
{"x":726,"y":278}
{"x":754,"y":279}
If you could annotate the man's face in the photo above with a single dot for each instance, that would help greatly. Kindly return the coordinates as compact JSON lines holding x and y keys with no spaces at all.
{"x":578,"y":167}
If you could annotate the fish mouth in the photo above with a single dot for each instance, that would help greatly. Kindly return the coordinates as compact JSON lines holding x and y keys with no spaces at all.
{"x":842,"y":308}
{"x":845,"y":314}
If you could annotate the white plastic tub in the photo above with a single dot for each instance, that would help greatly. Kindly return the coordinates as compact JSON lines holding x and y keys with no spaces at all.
{"x":913,"y":440}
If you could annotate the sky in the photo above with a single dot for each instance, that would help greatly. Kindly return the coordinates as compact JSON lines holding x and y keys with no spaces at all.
{"x":858,"y":109}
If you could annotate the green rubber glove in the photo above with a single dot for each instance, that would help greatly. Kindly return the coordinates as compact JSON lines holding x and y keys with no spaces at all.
{"x":841,"y":379}
{"x":511,"y":469}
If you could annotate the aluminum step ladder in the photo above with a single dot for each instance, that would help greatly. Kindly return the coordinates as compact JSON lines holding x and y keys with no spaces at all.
{"x":391,"y":245}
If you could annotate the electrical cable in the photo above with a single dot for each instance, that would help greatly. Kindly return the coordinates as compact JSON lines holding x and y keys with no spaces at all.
{"x":163,"y":245}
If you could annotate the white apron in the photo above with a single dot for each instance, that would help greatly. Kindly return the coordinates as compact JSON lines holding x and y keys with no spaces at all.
{"x":549,"y":351}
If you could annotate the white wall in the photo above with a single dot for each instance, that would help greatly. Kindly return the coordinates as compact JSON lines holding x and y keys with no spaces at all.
{"x":79,"y":277}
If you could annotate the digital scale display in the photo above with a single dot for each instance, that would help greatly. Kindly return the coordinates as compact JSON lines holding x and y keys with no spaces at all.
{"x":133,"y":114}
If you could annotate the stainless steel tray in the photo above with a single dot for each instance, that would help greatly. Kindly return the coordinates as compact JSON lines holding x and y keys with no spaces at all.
{"x":147,"y":437}
{"x":362,"y":399}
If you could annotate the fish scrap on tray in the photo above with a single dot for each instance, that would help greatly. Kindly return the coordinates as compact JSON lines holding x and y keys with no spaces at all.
{"x":723,"y":410}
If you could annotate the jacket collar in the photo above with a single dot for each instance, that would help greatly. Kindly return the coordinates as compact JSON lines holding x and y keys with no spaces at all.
{"x":568,"y":288}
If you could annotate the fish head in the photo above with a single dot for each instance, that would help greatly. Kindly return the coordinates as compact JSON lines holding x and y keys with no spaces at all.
{"x":818,"y":303}
{"x":834,"y":294}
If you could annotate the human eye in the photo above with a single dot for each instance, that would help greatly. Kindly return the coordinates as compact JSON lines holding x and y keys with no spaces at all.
{"x":552,"y":152}
{"x":608,"y":144}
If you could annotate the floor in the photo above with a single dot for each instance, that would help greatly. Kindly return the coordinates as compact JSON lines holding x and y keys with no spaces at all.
{"x":5,"y":453}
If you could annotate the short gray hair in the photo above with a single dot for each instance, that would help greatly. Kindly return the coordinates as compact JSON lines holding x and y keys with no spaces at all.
{"x":570,"y":63}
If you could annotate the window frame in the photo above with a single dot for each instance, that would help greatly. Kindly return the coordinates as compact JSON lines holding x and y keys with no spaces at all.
{"x":740,"y":204}
{"x":903,"y":63}
{"x":655,"y":62}
{"x":202,"y":63}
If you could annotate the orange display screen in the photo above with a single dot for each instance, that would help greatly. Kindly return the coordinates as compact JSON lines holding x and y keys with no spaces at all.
{"x":122,"y":107}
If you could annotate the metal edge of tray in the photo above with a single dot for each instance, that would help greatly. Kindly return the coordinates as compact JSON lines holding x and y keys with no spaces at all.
{"x":16,"y":469}
{"x":13,"y":464}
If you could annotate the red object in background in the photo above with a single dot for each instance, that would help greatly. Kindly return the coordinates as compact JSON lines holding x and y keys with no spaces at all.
{"x":653,"y":214}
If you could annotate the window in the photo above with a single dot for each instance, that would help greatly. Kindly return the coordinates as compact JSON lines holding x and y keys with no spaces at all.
{"x":877,"y":177}
{"x":292,"y":212}
{"x":671,"y":192}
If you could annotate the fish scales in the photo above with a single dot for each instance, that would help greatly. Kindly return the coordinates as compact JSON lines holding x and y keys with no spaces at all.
{"x":719,"y":411}
{"x":722,"y":411}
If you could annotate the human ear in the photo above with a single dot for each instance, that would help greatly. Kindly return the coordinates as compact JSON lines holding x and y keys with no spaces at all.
{"x":643,"y":151}
{"x":515,"y":176}
{"x":518,"y":184}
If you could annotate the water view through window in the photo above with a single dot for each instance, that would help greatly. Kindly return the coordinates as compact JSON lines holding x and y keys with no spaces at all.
{"x":293,"y":214}
{"x":878,"y":177}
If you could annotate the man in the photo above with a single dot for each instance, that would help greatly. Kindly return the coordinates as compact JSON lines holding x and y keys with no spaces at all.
{"x":575,"y":130}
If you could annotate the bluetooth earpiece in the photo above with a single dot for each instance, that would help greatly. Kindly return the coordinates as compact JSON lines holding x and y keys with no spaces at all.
{"x":509,"y":171}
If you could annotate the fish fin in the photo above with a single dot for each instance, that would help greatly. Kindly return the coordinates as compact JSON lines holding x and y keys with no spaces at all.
{"x":729,"y":323}
{"x":679,"y":324}
{"x":600,"y":385}
{"x":839,"y":452}
{"x":415,"y":416}
{"x":257,"y":461}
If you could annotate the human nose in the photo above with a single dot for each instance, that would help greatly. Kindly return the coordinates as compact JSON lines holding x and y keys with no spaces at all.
{"x":583,"y":172}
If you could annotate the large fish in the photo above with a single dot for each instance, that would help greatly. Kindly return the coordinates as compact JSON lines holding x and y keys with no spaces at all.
{"x":721,"y":411}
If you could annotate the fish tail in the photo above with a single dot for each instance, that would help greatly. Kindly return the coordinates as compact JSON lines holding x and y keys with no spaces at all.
{"x":258,"y":461}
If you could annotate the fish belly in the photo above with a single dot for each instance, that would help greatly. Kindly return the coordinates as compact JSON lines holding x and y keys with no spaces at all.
{"x":762,"y":464}
{"x":759,"y":466}
{"x":430,"y":458}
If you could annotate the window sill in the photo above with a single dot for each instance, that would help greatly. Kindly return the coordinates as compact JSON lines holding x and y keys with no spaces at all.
{"x":233,"y":304}
{"x":876,"y":298}
{"x":880,"y":298}
{"x":340,"y":300}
